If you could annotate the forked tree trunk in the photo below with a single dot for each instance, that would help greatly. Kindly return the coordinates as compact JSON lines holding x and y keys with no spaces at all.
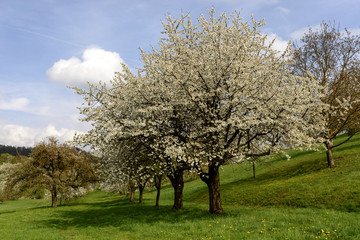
{"x":53,"y":197}
{"x":132,"y":192}
{"x":157,"y":180}
{"x":329,"y":145}
{"x":177,"y":181}
{"x":213,"y":184}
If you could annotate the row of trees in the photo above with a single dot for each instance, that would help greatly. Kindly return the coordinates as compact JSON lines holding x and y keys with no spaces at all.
{"x":213,"y":93}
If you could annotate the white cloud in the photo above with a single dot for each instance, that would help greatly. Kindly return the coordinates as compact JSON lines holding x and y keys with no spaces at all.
{"x":96,"y":65}
{"x":284,"y":10}
{"x":279,"y":44}
{"x":17,"y":135}
{"x":17,"y":104}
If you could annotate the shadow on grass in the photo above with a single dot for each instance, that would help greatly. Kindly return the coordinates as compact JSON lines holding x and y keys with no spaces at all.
{"x":119,"y":213}
{"x":7,"y":212}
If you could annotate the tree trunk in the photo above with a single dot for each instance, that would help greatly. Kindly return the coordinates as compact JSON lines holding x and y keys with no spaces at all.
{"x":177,"y":181}
{"x":157,"y":197}
{"x":213,"y":184}
{"x":329,"y":156}
{"x":157,"y":180}
{"x":253,"y":166}
{"x":141,"y":186}
{"x":132,"y":192}
{"x":141,"y":191}
{"x":53,"y":197}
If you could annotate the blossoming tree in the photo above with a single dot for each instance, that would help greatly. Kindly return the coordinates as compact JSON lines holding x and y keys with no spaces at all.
{"x":211,"y":93}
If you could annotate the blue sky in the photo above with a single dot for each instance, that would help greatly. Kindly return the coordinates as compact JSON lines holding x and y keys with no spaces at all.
{"x":48,"y":44}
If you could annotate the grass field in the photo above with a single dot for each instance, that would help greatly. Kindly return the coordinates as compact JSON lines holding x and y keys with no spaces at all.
{"x":296,"y":199}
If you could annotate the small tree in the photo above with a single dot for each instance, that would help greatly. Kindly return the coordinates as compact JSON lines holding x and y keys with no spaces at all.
{"x":6,"y":168}
{"x":57,"y":167}
{"x":125,"y":163}
{"x":331,"y":57}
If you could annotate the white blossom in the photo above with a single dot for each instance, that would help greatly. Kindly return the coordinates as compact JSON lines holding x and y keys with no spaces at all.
{"x":208,"y":93}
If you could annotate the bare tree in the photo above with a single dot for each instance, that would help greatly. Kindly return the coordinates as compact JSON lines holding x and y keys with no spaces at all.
{"x":331,"y":57}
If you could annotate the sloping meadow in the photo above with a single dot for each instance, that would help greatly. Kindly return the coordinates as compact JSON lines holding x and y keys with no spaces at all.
{"x":289,"y":199}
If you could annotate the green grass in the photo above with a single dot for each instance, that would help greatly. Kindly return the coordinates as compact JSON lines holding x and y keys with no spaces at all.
{"x":303,"y":181}
{"x":296,"y":199}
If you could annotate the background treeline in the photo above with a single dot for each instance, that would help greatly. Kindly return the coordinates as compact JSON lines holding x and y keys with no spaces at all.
{"x":12,"y":150}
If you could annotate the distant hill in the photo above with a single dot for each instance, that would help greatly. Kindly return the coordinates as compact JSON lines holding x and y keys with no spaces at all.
{"x":25,"y":151}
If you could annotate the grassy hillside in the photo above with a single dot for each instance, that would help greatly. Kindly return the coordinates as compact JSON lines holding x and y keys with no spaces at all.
{"x":303,"y":181}
{"x":296,"y":199}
